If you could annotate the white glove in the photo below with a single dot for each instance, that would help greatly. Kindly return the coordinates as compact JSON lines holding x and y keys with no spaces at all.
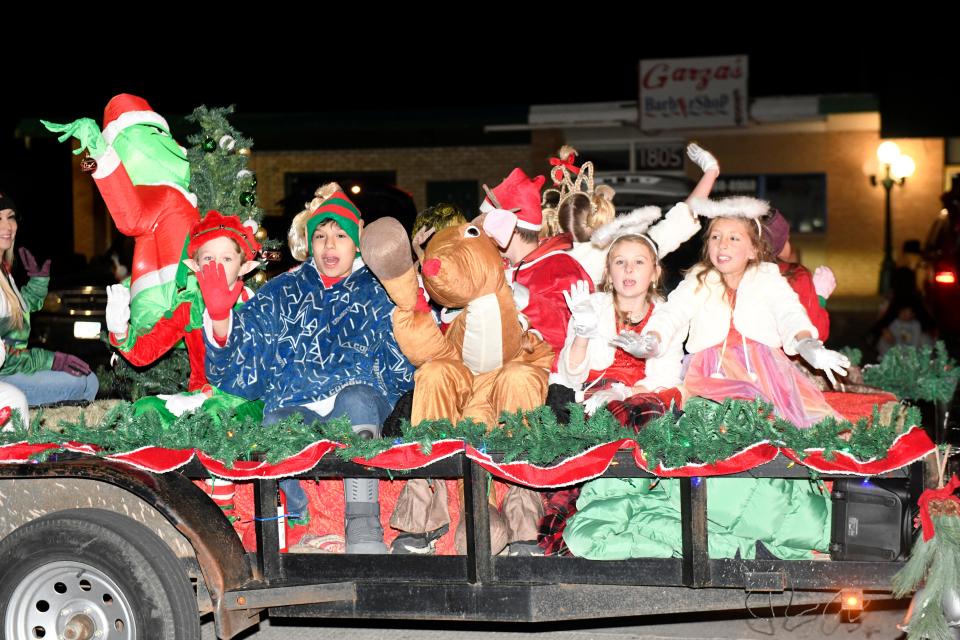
{"x":701,"y":157}
{"x":639,"y":346}
{"x":824,"y":282}
{"x":819,"y":357}
{"x":584,"y":316}
{"x":600,"y":399}
{"x":521,"y":295}
{"x":118,"y":309}
{"x":180,"y":403}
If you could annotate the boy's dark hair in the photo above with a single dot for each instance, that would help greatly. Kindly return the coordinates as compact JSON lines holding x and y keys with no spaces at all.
{"x":528,"y":235}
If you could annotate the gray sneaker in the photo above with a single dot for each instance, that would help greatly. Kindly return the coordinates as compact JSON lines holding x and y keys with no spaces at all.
{"x":524,"y":548}
{"x":363,"y":531}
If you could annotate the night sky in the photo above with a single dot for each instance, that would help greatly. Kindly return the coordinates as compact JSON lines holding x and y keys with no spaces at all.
{"x":427,"y":73}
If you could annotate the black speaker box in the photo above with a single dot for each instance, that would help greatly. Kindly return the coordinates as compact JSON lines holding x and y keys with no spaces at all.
{"x":872,"y":520}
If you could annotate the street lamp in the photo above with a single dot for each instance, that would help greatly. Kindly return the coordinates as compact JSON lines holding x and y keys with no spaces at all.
{"x":896,"y":168}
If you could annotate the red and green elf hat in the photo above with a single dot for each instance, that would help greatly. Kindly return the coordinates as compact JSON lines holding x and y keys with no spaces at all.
{"x":216,"y":225}
{"x":341,"y":210}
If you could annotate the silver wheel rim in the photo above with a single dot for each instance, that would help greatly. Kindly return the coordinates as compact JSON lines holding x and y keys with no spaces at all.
{"x":52,"y":596}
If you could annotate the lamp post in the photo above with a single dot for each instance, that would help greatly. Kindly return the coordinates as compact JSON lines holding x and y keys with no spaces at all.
{"x":896,"y":167}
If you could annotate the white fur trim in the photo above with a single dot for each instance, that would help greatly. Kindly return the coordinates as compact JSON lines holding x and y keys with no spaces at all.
{"x":208,"y":328}
{"x":154,"y":279}
{"x":678,"y":226}
{"x":130,"y":118}
{"x":523,"y":224}
{"x":636,"y":222}
{"x":511,"y":272}
{"x":735,"y":207}
{"x":107,"y":163}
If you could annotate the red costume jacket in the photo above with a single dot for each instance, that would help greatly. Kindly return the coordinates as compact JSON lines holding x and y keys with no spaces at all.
{"x":165,"y":334}
{"x":547,"y":272}
{"x":801,"y":281}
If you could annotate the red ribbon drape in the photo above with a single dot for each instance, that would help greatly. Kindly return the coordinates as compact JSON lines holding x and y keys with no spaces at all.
{"x":944,"y":493}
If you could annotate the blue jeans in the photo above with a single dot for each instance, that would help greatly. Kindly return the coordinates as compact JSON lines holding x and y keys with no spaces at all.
{"x":359,"y":403}
{"x":50,"y":387}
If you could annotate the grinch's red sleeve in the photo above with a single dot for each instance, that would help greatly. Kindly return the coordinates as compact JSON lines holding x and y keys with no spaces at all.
{"x":122,"y":197}
{"x":162,"y":337}
{"x":167,"y":332}
{"x":801,"y":280}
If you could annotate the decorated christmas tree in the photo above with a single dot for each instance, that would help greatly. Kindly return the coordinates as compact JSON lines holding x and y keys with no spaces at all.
{"x":220,"y":178}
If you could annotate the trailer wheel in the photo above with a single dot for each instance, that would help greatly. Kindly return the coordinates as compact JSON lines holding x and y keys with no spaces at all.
{"x":89,"y":574}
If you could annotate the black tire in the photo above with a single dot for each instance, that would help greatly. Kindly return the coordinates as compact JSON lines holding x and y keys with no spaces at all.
{"x":105,"y":566}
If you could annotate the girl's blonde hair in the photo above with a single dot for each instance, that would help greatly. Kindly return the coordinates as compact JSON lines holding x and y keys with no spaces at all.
{"x":13,"y":300}
{"x":580,"y":207}
{"x":753,"y":232}
{"x":548,"y":204}
{"x":297,"y":235}
{"x":582,"y":213}
{"x":606,"y":283}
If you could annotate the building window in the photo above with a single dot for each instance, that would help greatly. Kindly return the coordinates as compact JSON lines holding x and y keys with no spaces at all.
{"x":800,"y":197}
{"x":606,"y":159}
{"x":463,"y":193}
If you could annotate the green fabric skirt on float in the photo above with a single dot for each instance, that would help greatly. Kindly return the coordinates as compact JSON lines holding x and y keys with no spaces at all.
{"x":618,"y":519}
{"x":219,"y":404}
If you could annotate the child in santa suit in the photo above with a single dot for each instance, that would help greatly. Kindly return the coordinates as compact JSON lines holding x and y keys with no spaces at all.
{"x":596,"y":361}
{"x":540,"y":271}
{"x":813,"y":289}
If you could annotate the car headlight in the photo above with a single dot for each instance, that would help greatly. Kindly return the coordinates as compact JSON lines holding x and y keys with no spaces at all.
{"x":85,"y":330}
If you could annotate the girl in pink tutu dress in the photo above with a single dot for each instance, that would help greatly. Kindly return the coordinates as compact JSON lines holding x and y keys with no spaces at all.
{"x":743,"y":321}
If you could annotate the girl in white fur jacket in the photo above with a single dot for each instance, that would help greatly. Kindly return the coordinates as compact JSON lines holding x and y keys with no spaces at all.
{"x":595,"y":360}
{"x":743,"y":320}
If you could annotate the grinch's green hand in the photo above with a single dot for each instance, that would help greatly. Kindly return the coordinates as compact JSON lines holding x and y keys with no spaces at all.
{"x":85,"y":130}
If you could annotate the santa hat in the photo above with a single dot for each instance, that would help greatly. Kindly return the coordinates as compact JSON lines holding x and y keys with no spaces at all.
{"x":216,"y":225}
{"x":339,"y":208}
{"x":520,"y":194}
{"x":126,"y":110}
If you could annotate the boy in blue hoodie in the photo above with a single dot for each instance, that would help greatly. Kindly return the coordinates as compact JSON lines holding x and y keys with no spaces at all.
{"x":317,"y":341}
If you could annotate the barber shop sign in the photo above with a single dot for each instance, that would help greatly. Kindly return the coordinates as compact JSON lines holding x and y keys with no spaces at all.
{"x":693,"y":93}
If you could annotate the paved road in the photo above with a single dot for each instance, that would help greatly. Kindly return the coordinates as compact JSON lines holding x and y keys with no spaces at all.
{"x":877,"y":623}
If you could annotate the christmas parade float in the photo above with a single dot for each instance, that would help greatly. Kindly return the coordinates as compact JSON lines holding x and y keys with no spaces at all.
{"x":201,"y":485}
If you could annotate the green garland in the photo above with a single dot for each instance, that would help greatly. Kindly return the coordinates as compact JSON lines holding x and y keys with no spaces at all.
{"x":935,"y":564}
{"x":854,"y":355}
{"x":916,"y":373}
{"x":168,"y":375}
{"x":705,"y":433}
{"x":218,"y":172}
